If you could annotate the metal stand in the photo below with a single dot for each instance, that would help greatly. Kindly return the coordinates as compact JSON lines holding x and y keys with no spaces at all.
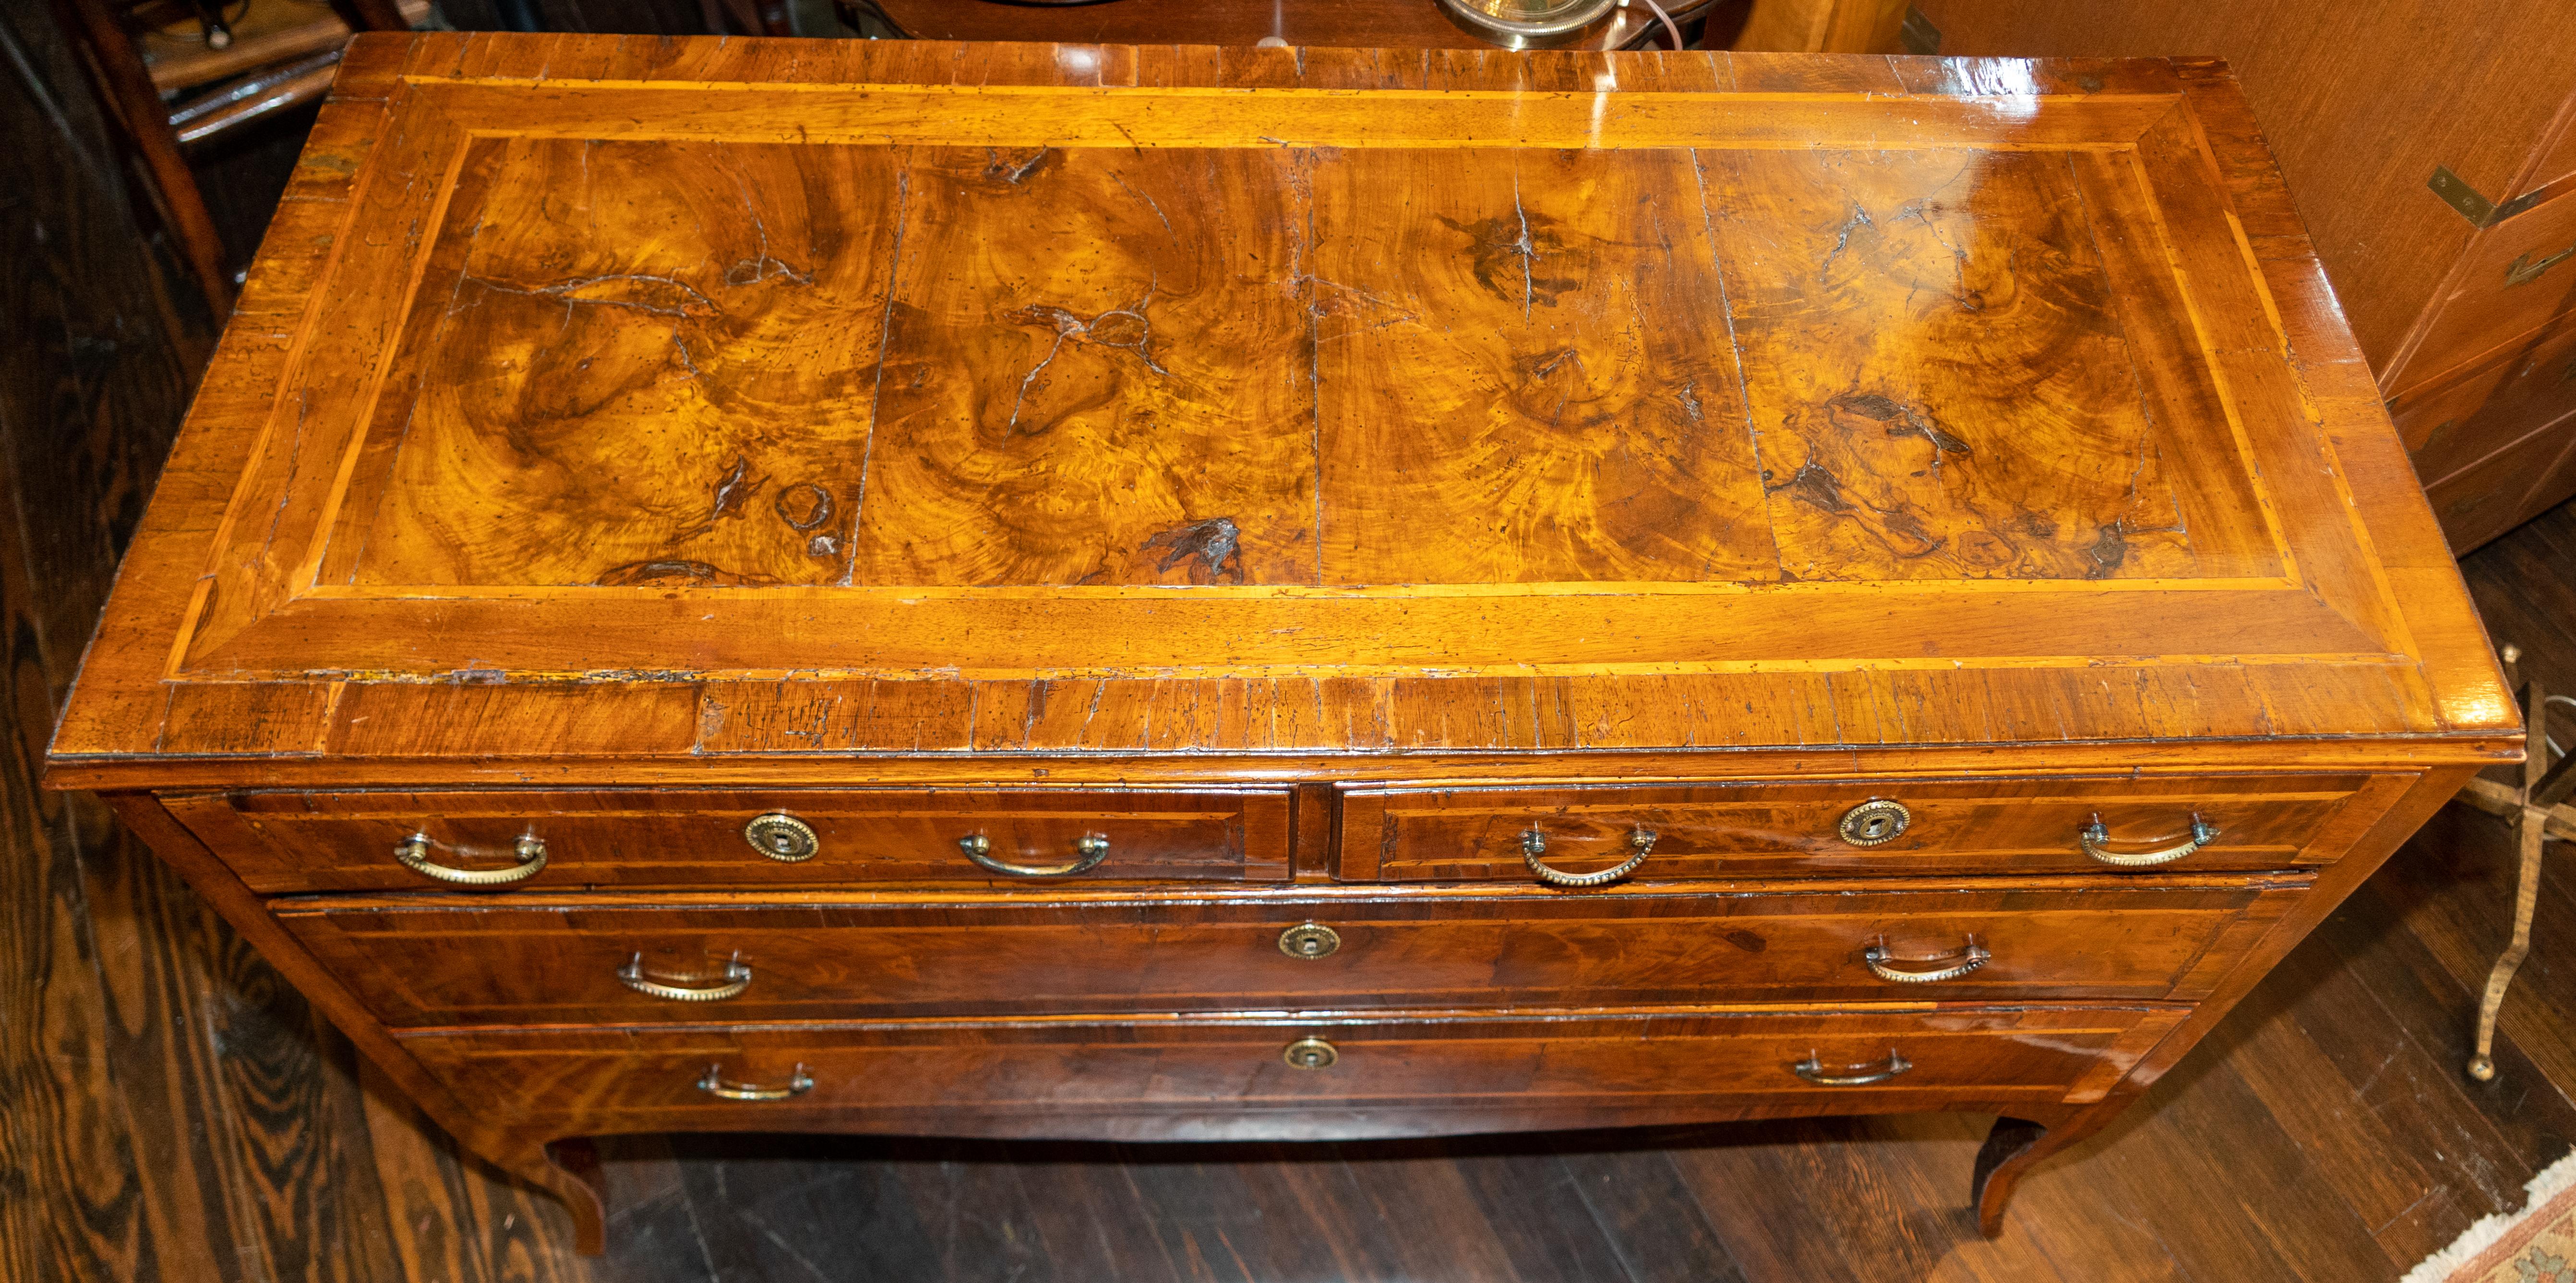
{"x":2539,"y":814}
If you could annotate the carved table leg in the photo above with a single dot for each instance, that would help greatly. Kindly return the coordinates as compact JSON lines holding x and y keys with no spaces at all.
{"x":2529,"y":828}
{"x":2018,"y":1144}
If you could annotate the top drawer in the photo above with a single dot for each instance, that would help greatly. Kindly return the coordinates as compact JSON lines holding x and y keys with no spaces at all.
{"x":1583,"y":834}
{"x":291,"y":842}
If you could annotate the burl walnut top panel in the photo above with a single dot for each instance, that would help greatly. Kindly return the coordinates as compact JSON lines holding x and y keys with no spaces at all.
{"x":619,"y":398}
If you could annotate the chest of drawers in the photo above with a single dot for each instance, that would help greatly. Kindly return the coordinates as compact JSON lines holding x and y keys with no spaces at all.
{"x":1124,"y":593}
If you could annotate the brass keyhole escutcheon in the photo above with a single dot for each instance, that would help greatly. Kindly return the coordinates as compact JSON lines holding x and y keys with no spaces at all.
{"x":782,"y":837}
{"x":1876,"y":821}
{"x":1310,"y":1053}
{"x":1309,"y":940}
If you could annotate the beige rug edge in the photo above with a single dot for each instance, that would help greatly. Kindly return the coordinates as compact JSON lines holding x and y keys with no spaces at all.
{"x":2487,"y":1246}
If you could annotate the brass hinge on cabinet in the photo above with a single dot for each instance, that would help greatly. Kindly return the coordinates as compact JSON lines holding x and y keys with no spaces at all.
{"x":2477,"y":209}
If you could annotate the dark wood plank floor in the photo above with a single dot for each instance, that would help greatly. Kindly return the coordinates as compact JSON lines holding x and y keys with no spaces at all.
{"x":170,"y":1111}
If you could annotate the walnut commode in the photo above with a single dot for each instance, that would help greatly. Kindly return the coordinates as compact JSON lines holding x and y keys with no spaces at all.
{"x":1169,"y":594}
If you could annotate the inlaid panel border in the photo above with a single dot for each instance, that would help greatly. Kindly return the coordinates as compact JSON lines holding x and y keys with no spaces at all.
{"x":274,"y":602}
{"x":138,"y":709}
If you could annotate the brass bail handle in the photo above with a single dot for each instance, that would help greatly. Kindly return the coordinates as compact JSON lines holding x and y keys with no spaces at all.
{"x":737,"y":978}
{"x":413,"y":854}
{"x":1862,"y":1075}
{"x":714,"y":1084}
{"x":1641,"y":843}
{"x":2094,"y":837}
{"x":1970,"y":957}
{"x":1089,"y":850}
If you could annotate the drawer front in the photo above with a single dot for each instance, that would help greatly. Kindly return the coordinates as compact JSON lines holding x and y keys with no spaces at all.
{"x":2516,"y":279}
{"x":609,"y":964}
{"x":2506,"y":488}
{"x":1735,"y":830}
{"x":2450,"y":426}
{"x":1234,"y":1079}
{"x":287,"y":842}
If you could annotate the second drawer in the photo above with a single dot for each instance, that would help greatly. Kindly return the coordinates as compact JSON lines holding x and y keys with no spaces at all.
{"x":601,"y":962}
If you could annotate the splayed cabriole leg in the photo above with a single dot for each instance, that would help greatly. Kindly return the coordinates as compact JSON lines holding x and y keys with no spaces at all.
{"x":2015,"y":1145}
{"x":569,"y":1170}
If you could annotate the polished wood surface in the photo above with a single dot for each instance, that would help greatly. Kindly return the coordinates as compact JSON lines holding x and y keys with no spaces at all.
{"x":551,"y":961}
{"x":185,"y":1114}
{"x":1217,"y":1080}
{"x":2494,"y":494}
{"x":291,"y":842}
{"x":2359,"y":103}
{"x":1966,"y":827}
{"x":700,"y":417}
{"x":1881,"y":536}
{"x":2454,"y":423}
{"x":2365,"y":106}
{"x":2511,"y":283}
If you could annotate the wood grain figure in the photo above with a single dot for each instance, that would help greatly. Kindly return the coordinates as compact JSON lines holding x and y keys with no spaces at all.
{"x":1184,"y":594}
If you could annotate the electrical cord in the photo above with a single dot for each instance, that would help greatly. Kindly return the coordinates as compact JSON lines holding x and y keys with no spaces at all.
{"x":1667,"y":19}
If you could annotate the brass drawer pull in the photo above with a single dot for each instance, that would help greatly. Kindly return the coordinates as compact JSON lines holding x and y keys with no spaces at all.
{"x":1876,"y":1071}
{"x":2525,"y":270}
{"x":737,"y":978}
{"x":1534,"y":845}
{"x":714,"y":1084}
{"x":2094,"y":836}
{"x":413,"y":852}
{"x":1969,"y":959}
{"x":782,"y":837}
{"x":1092,"y":849}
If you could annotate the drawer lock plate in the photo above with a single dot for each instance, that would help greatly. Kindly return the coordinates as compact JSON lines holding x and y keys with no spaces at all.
{"x":782,"y":837}
{"x":1310,"y":1053}
{"x":1875,"y":822}
{"x":1309,"y":940}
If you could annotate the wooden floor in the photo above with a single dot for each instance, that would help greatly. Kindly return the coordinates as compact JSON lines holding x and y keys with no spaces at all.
{"x":169,"y":1110}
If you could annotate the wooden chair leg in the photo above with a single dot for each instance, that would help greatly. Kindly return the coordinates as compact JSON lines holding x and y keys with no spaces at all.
{"x":134,"y":107}
{"x":2529,"y":828}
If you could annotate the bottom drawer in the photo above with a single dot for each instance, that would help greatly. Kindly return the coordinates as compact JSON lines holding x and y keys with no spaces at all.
{"x":1301,"y":1079}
